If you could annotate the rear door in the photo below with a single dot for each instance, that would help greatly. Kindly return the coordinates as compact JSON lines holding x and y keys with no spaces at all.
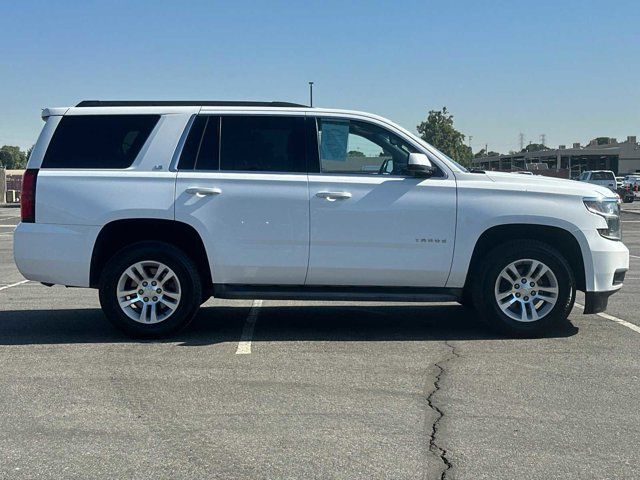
{"x":373,"y":223}
{"x":242,"y":184}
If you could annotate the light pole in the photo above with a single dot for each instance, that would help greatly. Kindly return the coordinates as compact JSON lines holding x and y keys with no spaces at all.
{"x":311,"y":94}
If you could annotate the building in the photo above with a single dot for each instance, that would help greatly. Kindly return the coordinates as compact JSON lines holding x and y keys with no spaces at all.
{"x":602,"y":153}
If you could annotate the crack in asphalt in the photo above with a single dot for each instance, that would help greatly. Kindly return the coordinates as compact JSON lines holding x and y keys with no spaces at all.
{"x":434,"y":446}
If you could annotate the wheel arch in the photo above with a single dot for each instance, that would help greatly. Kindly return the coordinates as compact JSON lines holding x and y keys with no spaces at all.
{"x":117,"y":234}
{"x":559,"y":238}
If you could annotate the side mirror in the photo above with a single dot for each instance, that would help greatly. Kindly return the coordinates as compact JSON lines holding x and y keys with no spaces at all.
{"x":420,"y":165}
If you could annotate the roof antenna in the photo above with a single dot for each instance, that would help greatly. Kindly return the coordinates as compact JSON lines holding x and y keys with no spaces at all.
{"x":311,"y":94}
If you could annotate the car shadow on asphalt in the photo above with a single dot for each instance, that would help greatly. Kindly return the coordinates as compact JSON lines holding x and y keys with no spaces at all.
{"x":220,"y":324}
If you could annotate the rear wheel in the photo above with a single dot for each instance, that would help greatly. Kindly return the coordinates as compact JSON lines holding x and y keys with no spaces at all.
{"x":524,"y":288}
{"x":150,"y":289}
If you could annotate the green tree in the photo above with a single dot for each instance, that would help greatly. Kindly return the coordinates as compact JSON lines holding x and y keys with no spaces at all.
{"x":355,"y":153}
{"x":483,"y":153}
{"x":29,"y":150}
{"x":534,"y":147}
{"x":12,"y":158}
{"x":438,"y":130}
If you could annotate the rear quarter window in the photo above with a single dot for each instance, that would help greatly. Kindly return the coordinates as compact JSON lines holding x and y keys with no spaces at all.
{"x":98,"y":141}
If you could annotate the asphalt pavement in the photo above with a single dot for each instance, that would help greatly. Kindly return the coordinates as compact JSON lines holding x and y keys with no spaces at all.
{"x":314,"y":390}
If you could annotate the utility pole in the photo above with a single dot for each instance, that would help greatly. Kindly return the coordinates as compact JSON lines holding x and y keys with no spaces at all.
{"x":311,"y":94}
{"x":521,"y":141}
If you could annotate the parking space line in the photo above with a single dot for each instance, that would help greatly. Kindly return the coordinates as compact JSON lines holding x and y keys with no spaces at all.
{"x":244,"y":345}
{"x":14,"y":284}
{"x":634,"y":256}
{"x":629,"y":325}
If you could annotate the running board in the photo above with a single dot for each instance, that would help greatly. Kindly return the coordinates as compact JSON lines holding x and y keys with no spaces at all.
{"x":337,"y":293}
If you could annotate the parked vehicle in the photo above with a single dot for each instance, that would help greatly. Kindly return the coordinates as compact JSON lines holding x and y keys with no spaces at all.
{"x":604,"y":178}
{"x":160,"y":205}
{"x":631,"y":180}
{"x":627,"y":194}
{"x":619,"y":182}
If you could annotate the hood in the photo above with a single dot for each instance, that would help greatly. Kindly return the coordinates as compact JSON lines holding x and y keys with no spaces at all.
{"x":539,"y":183}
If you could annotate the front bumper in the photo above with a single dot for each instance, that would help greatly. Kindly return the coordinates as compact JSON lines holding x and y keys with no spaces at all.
{"x":604,"y":259}
{"x":596,"y":302}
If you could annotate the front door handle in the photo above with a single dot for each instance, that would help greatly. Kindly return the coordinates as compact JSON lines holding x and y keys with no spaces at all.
{"x":333,"y":196}
{"x":202,"y":191}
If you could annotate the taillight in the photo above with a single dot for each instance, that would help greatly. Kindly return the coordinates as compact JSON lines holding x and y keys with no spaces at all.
{"x":28,"y":195}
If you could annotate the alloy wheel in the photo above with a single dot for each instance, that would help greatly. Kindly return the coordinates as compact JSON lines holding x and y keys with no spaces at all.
{"x":148,"y":292}
{"x":526,"y":290}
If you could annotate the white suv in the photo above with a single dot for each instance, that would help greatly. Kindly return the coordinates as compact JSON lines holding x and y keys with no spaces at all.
{"x":160,"y":205}
{"x":604,"y":178}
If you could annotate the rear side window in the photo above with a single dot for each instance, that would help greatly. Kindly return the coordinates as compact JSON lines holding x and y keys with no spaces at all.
{"x":98,"y":141}
{"x":262,"y":143}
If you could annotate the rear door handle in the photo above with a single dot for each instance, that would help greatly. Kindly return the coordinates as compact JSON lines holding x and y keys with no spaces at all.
{"x":202,"y":191}
{"x":333,"y":196}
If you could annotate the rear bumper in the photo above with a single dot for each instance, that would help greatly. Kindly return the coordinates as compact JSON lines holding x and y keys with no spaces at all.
{"x":57,"y":254}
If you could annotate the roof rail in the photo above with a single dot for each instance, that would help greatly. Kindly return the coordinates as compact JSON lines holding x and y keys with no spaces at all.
{"x":188,"y":103}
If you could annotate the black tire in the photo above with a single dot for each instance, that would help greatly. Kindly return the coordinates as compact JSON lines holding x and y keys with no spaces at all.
{"x":484,"y":295}
{"x":174,"y":258}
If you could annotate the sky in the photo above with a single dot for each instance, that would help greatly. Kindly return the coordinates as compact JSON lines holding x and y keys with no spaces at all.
{"x":566,"y":69}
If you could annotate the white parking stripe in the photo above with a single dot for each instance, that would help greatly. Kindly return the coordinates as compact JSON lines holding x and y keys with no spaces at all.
{"x":244,"y":345}
{"x":14,"y":284}
{"x":634,"y":256}
{"x":630,"y":325}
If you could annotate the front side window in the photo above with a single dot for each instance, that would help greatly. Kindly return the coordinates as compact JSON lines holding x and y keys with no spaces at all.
{"x":98,"y":141}
{"x":351,"y":146}
{"x":262,"y":143}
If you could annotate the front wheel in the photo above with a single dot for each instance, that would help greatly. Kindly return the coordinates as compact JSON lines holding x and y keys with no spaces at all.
{"x":150,"y":289}
{"x":524,"y":288}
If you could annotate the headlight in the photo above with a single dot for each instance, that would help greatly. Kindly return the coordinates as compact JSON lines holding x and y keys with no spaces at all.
{"x":609,"y":209}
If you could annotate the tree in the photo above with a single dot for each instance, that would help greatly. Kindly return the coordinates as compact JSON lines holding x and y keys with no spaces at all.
{"x":12,"y":158}
{"x":355,"y":153}
{"x":29,"y":150}
{"x":534,"y":147}
{"x":438,"y":130}
{"x":483,"y":153}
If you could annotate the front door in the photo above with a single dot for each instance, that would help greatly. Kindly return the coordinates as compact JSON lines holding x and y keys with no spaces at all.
{"x":372,"y":223}
{"x":242,"y":185}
